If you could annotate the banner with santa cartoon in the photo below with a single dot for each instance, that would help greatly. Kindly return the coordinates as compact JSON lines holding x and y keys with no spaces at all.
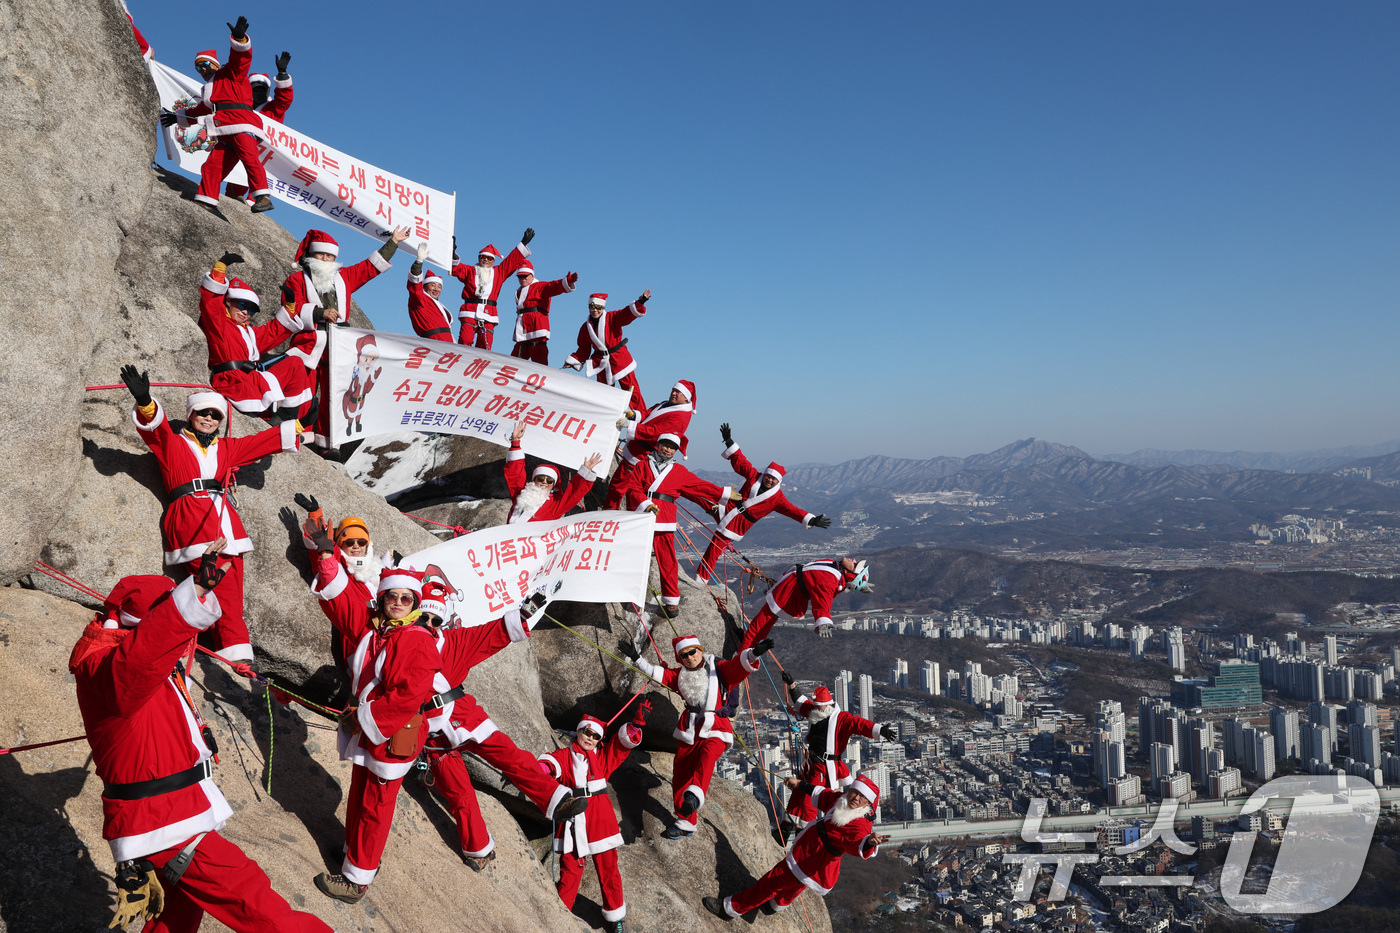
{"x":310,"y":175}
{"x":593,"y":557}
{"x":382,"y":383}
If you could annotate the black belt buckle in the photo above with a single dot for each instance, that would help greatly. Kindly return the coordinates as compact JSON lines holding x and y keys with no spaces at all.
{"x":437,"y":702}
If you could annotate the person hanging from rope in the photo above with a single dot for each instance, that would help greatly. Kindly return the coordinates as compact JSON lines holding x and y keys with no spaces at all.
{"x":543,"y":499}
{"x":602,"y":350}
{"x":281,"y":387}
{"x":161,"y":810}
{"x":481,"y":288}
{"x":813,"y":585}
{"x":762,"y":496}
{"x":585,"y":767}
{"x":830,"y":731}
{"x":703,"y":682}
{"x":532,"y":301}
{"x":814,"y":861}
{"x":197,"y":467}
{"x":429,"y":316}
{"x":641,"y":430}
{"x":458,"y":723}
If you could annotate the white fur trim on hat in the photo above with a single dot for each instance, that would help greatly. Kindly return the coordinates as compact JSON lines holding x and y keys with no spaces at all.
{"x":546,"y":468}
{"x":867,"y":788}
{"x":392,"y":579}
{"x":436,"y":606}
{"x":244,"y":294}
{"x":591,"y":724}
{"x":670,"y":438}
{"x":685,"y":643}
{"x":680,"y":387}
{"x":431,"y":276}
{"x":198,"y":401}
{"x":321,"y":246}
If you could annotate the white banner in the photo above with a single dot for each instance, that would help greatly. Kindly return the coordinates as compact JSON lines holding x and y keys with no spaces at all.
{"x":324,"y":181}
{"x":381,"y":383}
{"x":598,"y":557}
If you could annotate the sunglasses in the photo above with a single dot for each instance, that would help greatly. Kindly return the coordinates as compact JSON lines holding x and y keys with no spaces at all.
{"x":208,"y":413}
{"x":689,"y":651}
{"x":544,"y":480}
{"x":354,"y":542}
{"x":393,"y":598}
{"x":434,"y":621}
{"x":243,"y":305}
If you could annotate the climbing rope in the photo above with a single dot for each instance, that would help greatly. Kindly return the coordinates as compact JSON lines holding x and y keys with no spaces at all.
{"x":457,"y":530}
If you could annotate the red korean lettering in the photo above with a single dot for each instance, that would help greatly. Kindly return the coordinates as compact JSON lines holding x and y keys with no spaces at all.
{"x":534,"y":415}
{"x":608,"y":533}
{"x":468,"y":398}
{"x":420,"y":228}
{"x":419,"y":199}
{"x":386,"y":211}
{"x":565,"y":557}
{"x":584,"y":557}
{"x":528,"y":551}
{"x":383,"y":186}
{"x":507,"y":552}
{"x":446,"y":362}
{"x":523,"y":583}
{"x":422,"y":393}
{"x":416,"y":356}
{"x":476,"y":368}
{"x":330,"y":165}
{"x":557,"y":418}
{"x":496,"y":404}
{"x":471,"y":557}
{"x":534,"y":383}
{"x":448,"y":395}
{"x":505,"y":375}
{"x":590,"y":530}
{"x":401,"y":391}
{"x":357,"y":175}
{"x":306,"y":175}
{"x":515,"y":410}
{"x":345,"y":194}
{"x":497,"y":596}
{"x":570,"y":424}
{"x":402,"y":193}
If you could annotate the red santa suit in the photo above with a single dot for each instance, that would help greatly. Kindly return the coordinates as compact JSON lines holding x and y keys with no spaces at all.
{"x":301,"y":293}
{"x":704,"y":729}
{"x":392,"y":671}
{"x":481,"y":289}
{"x":557,"y":502}
{"x":831,"y":731}
{"x":141,"y":43}
{"x":144,"y":726}
{"x":430,"y":317}
{"x":235,"y":349}
{"x":200,"y":511}
{"x":602,"y":351}
{"x":814,"y":861}
{"x":279,"y":101}
{"x":812,"y":585}
{"x":594,"y":833}
{"x":640,"y":436}
{"x":649,"y":484}
{"x":227,"y":111}
{"x":532,"y":316}
{"x":736,"y":518}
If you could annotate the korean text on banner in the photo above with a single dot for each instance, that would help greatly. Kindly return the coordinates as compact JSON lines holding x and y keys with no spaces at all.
{"x":596,"y":557}
{"x":325,"y":181}
{"x":381,"y":383}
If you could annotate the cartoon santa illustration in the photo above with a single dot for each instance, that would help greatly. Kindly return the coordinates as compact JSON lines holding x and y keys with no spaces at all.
{"x":361,"y":382}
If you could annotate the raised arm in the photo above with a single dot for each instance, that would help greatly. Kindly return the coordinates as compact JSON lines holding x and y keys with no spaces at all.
{"x":146,"y":657}
{"x":515,"y":462}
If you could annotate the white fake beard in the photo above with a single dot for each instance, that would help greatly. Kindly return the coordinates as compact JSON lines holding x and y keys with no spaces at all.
{"x":694,"y":686}
{"x":843,"y":813}
{"x":485,"y":277}
{"x":821,"y":712}
{"x":322,"y":273}
{"x":529,"y":501}
{"x":365,"y":569}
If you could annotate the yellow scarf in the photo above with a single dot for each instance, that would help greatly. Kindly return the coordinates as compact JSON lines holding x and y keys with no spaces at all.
{"x":395,"y":623}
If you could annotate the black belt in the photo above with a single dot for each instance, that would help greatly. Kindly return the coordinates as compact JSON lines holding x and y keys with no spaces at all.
{"x":197,"y":485}
{"x":440,"y":700}
{"x":617,"y":346}
{"x":438,"y":332}
{"x":535,"y":308}
{"x":140,"y":790}
{"x":243,"y":366}
{"x":745,"y":512}
{"x":480,"y":301}
{"x":219,"y":106}
{"x":826,"y":842}
{"x":663,"y":497}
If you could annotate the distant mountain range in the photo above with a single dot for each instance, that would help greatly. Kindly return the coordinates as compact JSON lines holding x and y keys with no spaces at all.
{"x":1302,"y":461}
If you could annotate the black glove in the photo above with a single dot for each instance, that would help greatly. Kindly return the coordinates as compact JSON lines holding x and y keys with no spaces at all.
{"x":229,"y":259}
{"x":239,"y":29}
{"x":629,"y":650}
{"x":138,"y":384}
{"x":724,"y":433}
{"x":762,"y":647}
{"x":306,"y":502}
{"x":821,"y":521}
{"x":455,"y":257}
{"x":787,"y":679}
{"x":168,"y":117}
{"x":289,"y":296}
{"x":525,"y":237}
{"x":208,"y":574}
{"x":887,"y":733}
{"x":282,"y":61}
{"x":398,"y":558}
{"x":318,"y":535}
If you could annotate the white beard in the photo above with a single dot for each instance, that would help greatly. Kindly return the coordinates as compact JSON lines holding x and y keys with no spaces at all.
{"x":819,"y":713}
{"x":843,"y":813}
{"x":528,"y":502}
{"x":365,"y":569}
{"x":322,"y":273}
{"x":694,"y":686}
{"x":485,"y":275}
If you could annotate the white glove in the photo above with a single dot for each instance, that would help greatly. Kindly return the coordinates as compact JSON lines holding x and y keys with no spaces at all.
{"x":423,"y":251}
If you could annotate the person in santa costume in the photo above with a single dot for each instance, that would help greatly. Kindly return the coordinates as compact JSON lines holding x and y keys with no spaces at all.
{"x":481,"y":288}
{"x":393,"y":668}
{"x":703,"y":682}
{"x":532,"y":300}
{"x":146,"y":52}
{"x":227,"y":108}
{"x":197,"y":467}
{"x":269,"y":103}
{"x":584,"y":767}
{"x":161,"y":810}
{"x":226,"y":305}
{"x":762,"y":495}
{"x":543,"y":499}
{"x":814,"y":861}
{"x":653,"y":485}
{"x":641,"y":430}
{"x":812,"y":585}
{"x":602,"y":350}
{"x":429,"y":316}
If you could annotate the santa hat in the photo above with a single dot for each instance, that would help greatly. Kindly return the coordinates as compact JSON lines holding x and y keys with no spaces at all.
{"x":429,"y":276}
{"x":241,"y":290}
{"x":347,"y":523}
{"x":434,"y":599}
{"x":198,"y":401}
{"x":592,"y":724}
{"x":598,"y":298}
{"x":316,"y":241}
{"x":546,"y":469}
{"x":489,"y":250}
{"x":858,"y":581}
{"x":260,"y":78}
{"x":687,"y":388}
{"x":400,"y":578}
{"x":132,"y":597}
{"x":366,"y":341}
{"x":684,"y":643}
{"x":777,"y":471}
{"x":208,"y":55}
{"x":867,"y":789}
{"x":525,"y":268}
{"x":822,"y":697}
{"x":669,"y":438}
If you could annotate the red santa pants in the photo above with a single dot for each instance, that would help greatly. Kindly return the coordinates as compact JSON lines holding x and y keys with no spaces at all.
{"x":252,"y":392}
{"x":718,"y":545}
{"x":609,"y":879}
{"x":629,"y":382}
{"x":230,"y":632}
{"x":617,"y":486}
{"x":663,"y":545}
{"x":691,"y":771}
{"x":477,"y":334}
{"x":520,"y":768}
{"x":232,"y":149}
{"x":228,"y":885}
{"x":369,"y":815}
{"x":779,"y":884}
{"x":536,"y":351}
{"x":759,"y":628}
{"x":451,"y":780}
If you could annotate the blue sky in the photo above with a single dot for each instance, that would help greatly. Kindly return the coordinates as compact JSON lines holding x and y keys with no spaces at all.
{"x":907,"y":229}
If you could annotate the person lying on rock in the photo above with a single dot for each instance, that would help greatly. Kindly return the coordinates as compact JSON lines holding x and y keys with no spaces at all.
{"x":813,"y":584}
{"x":704,"y":730}
{"x":197,"y":467}
{"x":543,"y":499}
{"x":815,"y":858}
{"x":585,"y":767}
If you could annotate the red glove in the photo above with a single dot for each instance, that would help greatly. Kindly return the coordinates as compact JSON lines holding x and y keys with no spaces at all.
{"x":571,"y":278}
{"x":643,"y":709}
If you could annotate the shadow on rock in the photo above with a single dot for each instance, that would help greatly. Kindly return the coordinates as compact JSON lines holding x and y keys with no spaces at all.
{"x":731,"y":874}
{"x":633,"y":783}
{"x":142,"y":467}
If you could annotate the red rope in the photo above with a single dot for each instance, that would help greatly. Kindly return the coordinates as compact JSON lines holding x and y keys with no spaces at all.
{"x":25,"y":748}
{"x":62,"y":577}
{"x":168,"y":385}
{"x":456,"y":529}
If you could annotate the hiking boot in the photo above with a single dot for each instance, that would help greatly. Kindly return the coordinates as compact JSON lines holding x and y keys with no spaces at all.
{"x":716,"y":906}
{"x":476,"y":863}
{"x":569,"y":807}
{"x":689,"y":805}
{"x":261,"y":204}
{"x":675,"y":832}
{"x":616,"y":926}
{"x":769,"y":907}
{"x":338,"y":887}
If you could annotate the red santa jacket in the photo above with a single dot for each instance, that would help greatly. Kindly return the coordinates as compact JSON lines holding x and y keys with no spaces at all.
{"x":392,"y":671}
{"x":661,"y":418}
{"x":481,"y":288}
{"x":599,"y":353}
{"x":815,"y":856}
{"x":280,"y":102}
{"x":309,"y":345}
{"x":560,"y":501}
{"x":463,"y":719}
{"x":704,"y":691}
{"x":738,"y":517}
{"x":645,"y":485}
{"x":192,"y":521}
{"x":430,"y":317}
{"x":141,"y":726}
{"x":826,"y":744}
{"x":532,"y":308}
{"x":230,"y":86}
{"x":815,"y":584}
{"x":595,"y":830}
{"x":230,"y":342}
